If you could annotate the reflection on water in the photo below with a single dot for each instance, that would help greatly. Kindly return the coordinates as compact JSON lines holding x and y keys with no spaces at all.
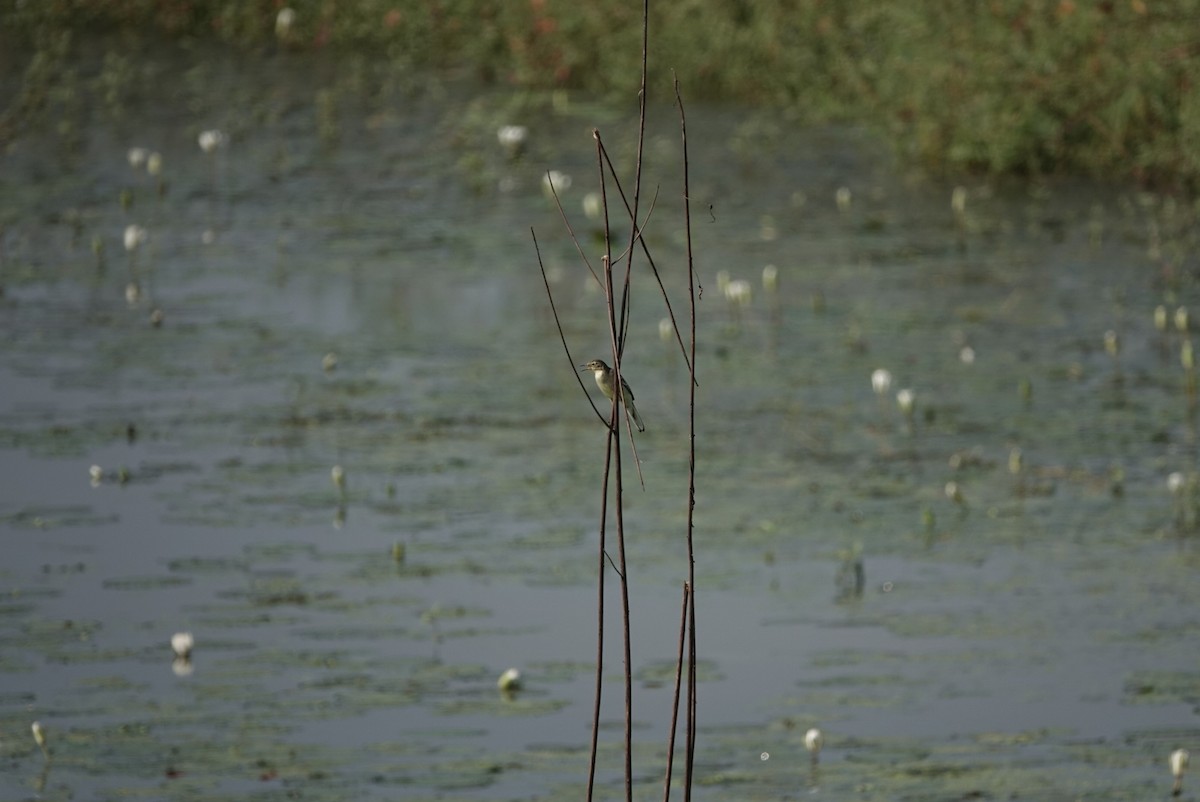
{"x":1034,"y":628}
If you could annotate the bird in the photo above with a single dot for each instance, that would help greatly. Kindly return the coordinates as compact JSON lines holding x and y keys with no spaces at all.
{"x":604,"y":380}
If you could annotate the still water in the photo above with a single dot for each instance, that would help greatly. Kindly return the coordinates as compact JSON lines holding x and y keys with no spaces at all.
{"x":349,"y":280}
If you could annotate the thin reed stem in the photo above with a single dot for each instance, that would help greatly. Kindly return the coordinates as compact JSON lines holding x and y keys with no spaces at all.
{"x":566,"y":222}
{"x":653,"y":267}
{"x":691,"y":507}
{"x":683,"y":619}
{"x":558,"y":324}
{"x":591,"y":783}
{"x":618,"y":343}
{"x":614,"y":450}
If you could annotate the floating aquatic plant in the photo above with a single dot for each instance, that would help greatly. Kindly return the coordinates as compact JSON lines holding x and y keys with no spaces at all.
{"x":1016,"y":464}
{"x":1025,"y":390}
{"x":154,"y":167}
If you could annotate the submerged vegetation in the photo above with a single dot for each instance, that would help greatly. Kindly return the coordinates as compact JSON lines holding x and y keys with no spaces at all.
{"x":1009,"y":86}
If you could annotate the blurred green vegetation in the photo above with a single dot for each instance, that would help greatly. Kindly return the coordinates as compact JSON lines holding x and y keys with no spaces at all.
{"x":1108,"y":88}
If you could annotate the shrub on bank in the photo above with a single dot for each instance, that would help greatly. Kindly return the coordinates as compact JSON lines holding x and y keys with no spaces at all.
{"x":1003,"y":86}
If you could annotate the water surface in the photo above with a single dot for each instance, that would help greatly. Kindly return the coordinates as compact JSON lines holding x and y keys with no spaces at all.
{"x":1036,"y":640}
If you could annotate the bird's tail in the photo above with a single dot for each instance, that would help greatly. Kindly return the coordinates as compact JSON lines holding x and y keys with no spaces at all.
{"x":633,"y":413}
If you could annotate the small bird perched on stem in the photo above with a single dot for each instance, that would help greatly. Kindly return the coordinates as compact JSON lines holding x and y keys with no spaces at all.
{"x":604,"y":380}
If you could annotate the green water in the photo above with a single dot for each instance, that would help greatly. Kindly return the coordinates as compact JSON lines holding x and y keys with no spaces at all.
{"x":1035,"y":640}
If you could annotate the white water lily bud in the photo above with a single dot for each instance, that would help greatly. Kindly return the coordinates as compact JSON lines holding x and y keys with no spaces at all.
{"x":881,"y":381}
{"x":182,"y":643}
{"x":510,"y":680}
{"x":134,"y":236}
{"x":39,"y":737}
{"x":1179,"y":762}
{"x":210,"y":140}
{"x":593,"y":206}
{"x":813,"y":741}
{"x":958,"y":200}
{"x":1015,"y":460}
{"x":738,"y":292}
{"x":284,"y":21}
{"x":770,"y":278}
{"x":512,"y":139}
{"x":560,"y":182}
{"x":1112,"y":343}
